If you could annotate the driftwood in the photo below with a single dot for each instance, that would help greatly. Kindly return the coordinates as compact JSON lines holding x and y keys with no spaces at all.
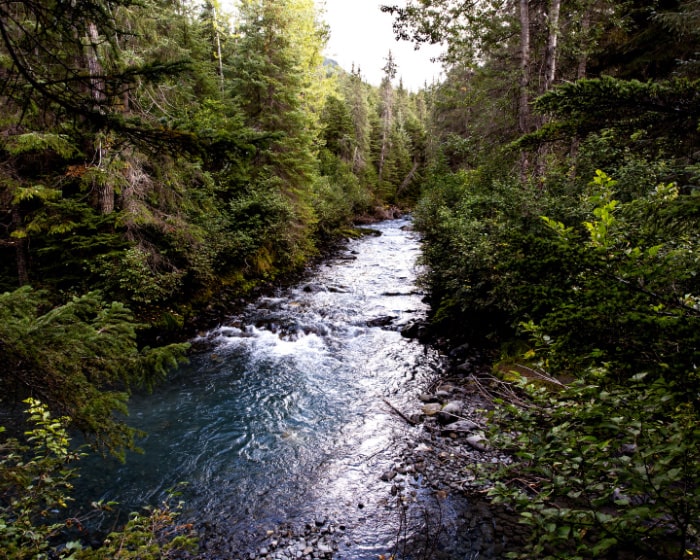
{"x":401,"y":414}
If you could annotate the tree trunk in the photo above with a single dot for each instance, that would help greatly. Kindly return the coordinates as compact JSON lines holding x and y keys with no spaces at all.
{"x":216,"y":39}
{"x":552,"y":38}
{"x":583,"y":59}
{"x":97,"y":85}
{"x":549,"y":75}
{"x":21,"y":249}
{"x":524,"y":103}
{"x":105,"y":199}
{"x":357,"y":163}
{"x":219,"y":58}
{"x":104,"y":190}
{"x":581,"y":71}
{"x":408,"y":179}
{"x":524,"y":100}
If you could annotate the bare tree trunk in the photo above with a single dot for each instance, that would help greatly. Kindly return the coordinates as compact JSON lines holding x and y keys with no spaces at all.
{"x":408,"y":179}
{"x":220,"y":60}
{"x":524,"y":101}
{"x":357,"y":163}
{"x":104,"y":189}
{"x":581,"y":71}
{"x":97,"y":85}
{"x":583,"y":59}
{"x":217,"y":44}
{"x":103,"y":186}
{"x":549,"y":75}
{"x":552,"y":39}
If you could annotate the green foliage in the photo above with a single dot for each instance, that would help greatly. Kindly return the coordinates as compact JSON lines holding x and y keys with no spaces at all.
{"x":600,"y":277}
{"x":338,"y":129}
{"x":337,"y":196}
{"x":261,"y":231}
{"x":632,"y":128}
{"x":623,"y":300}
{"x":473,"y":225}
{"x":136,"y":278}
{"x":60,"y":144}
{"x":151,"y":534}
{"x":35,"y":486}
{"x":82,"y":358}
{"x":604,"y":279}
{"x":604,"y":469}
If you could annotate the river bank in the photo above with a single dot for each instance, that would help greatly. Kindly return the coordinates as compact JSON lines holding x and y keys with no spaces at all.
{"x":229,"y":300}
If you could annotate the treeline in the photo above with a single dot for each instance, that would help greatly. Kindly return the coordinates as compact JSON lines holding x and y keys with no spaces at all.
{"x":153,"y":155}
{"x":561,"y":221}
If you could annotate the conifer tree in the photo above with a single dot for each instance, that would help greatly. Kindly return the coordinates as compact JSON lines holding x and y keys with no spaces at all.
{"x":356,"y":96}
{"x":81,"y":359}
{"x":278,"y":61}
{"x":386,"y":90}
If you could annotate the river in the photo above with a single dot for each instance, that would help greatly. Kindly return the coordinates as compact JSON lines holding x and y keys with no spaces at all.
{"x":283,"y":418}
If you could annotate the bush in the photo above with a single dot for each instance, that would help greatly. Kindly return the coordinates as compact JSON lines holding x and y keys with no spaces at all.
{"x":603,"y":469}
{"x":606,"y":287}
{"x":82,"y":358}
{"x":484,"y":244}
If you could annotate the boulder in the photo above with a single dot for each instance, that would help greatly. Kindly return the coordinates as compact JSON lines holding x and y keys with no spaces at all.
{"x":381,"y":321}
{"x":443,"y":394}
{"x":388,"y":476}
{"x":478,"y":442}
{"x":415,"y":329}
{"x":460,"y":427}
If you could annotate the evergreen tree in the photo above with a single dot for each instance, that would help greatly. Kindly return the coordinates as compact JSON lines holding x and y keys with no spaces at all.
{"x":276,"y":84}
{"x":357,"y":99}
{"x":81,"y":358}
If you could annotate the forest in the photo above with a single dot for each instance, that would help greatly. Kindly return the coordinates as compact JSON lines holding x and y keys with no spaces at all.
{"x":160,"y":159}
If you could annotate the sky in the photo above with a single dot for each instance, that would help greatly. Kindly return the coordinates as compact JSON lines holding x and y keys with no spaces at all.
{"x":363,"y":35}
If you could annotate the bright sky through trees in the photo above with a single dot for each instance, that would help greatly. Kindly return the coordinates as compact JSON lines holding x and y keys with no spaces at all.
{"x":362,"y":34}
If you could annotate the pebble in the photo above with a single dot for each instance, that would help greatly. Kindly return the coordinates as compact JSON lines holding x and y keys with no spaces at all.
{"x":388,"y":476}
{"x":450,"y":412}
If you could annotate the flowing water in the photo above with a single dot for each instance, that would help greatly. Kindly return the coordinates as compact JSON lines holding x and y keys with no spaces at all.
{"x":284,"y":419}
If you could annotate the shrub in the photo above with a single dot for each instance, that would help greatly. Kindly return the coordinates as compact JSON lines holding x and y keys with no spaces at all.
{"x":35,"y":485}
